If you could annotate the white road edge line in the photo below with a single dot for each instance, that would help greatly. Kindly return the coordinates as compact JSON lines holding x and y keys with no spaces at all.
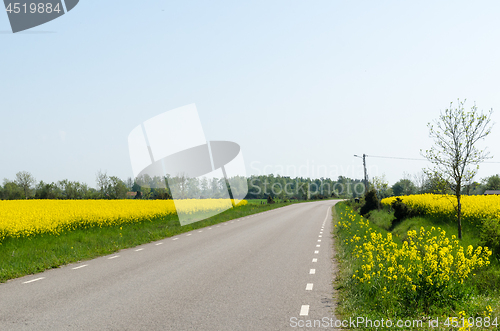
{"x":326,"y":217}
{"x":304,"y":310}
{"x":34,"y":280}
{"x":309,"y":286}
{"x":82,"y":266}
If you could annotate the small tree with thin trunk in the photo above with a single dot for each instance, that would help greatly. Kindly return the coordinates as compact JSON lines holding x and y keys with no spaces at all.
{"x":103,"y":183}
{"x":455,"y":156}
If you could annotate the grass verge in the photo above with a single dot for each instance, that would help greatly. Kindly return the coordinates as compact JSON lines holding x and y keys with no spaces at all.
{"x":25,"y":256}
{"x":365,"y":300}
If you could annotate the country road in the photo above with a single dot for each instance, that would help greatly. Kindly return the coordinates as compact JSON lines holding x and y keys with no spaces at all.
{"x":253,"y":273}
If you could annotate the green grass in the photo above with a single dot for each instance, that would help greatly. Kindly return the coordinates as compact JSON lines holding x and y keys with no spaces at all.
{"x":276,"y":200}
{"x":256,"y":201}
{"x":24,"y":256}
{"x":354,"y":300}
{"x":382,"y":219}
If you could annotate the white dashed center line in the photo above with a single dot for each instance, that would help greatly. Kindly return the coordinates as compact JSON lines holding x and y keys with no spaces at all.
{"x":200,"y":231}
{"x":33,"y":280}
{"x":188,"y":234}
{"x":312,"y":271}
{"x":315,"y":260}
{"x":113,"y":257}
{"x":138,"y":250}
{"x":320,"y":236}
{"x":316,"y":252}
{"x":318,"y":245}
{"x":309,"y":287}
{"x":319,"y":240}
{"x":175,"y":238}
{"x":158,"y":244}
{"x":304,"y":310}
{"x":82,"y":266}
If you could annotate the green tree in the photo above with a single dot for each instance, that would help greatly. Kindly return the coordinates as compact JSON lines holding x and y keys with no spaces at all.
{"x":492,"y":183}
{"x":117,"y":188}
{"x":380,"y":184}
{"x":11,"y":190}
{"x":403,"y":187}
{"x":47,"y":191}
{"x":103,"y":184}
{"x":145,"y":192}
{"x":25,"y":180}
{"x":454,"y":154}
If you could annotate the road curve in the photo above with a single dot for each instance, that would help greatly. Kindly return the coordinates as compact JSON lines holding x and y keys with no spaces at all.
{"x":268,"y":271}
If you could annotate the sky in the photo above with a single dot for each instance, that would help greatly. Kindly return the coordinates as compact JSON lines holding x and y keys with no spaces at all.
{"x":301,"y":86}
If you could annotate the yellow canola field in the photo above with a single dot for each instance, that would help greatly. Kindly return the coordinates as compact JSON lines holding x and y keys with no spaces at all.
{"x":475,"y":208}
{"x":24,"y":218}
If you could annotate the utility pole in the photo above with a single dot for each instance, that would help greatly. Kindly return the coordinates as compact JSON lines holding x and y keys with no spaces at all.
{"x":366,"y":175}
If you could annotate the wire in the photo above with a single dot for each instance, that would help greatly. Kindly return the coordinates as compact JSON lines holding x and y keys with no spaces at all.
{"x":407,"y":158}
{"x":393,"y":157}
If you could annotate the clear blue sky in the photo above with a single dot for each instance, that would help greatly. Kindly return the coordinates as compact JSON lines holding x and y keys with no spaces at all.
{"x":298,"y":84}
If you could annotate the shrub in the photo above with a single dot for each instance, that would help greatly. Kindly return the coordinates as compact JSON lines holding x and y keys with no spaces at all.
{"x":490,"y":235}
{"x":355,"y":203}
{"x":401,"y":211}
{"x":371,"y":202}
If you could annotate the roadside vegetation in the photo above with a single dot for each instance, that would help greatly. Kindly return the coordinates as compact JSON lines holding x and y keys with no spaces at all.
{"x":414,"y":268}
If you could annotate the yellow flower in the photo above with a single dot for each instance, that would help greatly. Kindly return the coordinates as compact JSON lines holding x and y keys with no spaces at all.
{"x":25,"y":218}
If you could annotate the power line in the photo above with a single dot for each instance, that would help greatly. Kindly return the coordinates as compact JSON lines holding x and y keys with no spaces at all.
{"x":407,"y":158}
{"x":394,"y":157}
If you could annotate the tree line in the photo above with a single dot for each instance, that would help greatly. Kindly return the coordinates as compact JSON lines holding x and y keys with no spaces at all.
{"x":427,"y":183}
{"x":25,"y":186}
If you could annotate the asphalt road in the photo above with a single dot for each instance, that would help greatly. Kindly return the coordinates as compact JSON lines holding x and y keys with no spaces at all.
{"x":269,"y":271}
